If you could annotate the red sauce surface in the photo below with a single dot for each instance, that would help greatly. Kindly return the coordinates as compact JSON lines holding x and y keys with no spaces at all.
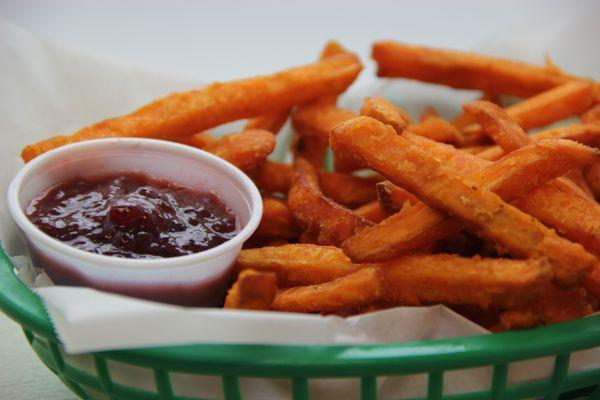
{"x":132,"y":215}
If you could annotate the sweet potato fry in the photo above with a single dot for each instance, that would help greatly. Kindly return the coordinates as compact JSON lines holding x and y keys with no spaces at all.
{"x":195,"y":111}
{"x":588,"y":134}
{"x":592,"y":177}
{"x":563,"y":101}
{"x":246,"y":149}
{"x":428,"y":112}
{"x":480,"y":209}
{"x":298,"y":264}
{"x":273,"y":176}
{"x":277,"y":220}
{"x":312,"y":121}
{"x":451,"y":279}
{"x":464,"y":119}
{"x":437,"y":129}
{"x":327,"y":221}
{"x":392,"y":198}
{"x":348,"y":190}
{"x":415,"y":229}
{"x":381,"y":109}
{"x":371,"y":212}
{"x":463,"y":70}
{"x":506,"y":132}
{"x":592,"y":115}
{"x":252,"y":290}
{"x":201,"y":140}
{"x":351,"y":291}
{"x":269,"y":122}
{"x":552,"y":306}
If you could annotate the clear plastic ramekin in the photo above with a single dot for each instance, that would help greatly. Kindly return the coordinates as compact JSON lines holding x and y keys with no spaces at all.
{"x":199,"y":279}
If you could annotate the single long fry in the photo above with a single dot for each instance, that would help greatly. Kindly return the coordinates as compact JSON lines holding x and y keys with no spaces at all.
{"x":269,"y":122}
{"x":482,"y":210}
{"x":252,"y":290}
{"x":198,"y":110}
{"x":348,"y":190}
{"x":348,"y":292}
{"x":246,"y":149}
{"x":561,"y":102}
{"x":588,"y":134}
{"x":277,"y":220}
{"x":463,"y":70}
{"x":298,"y":264}
{"x":452,"y":279}
{"x":327,"y":221}
{"x":437,"y":129}
{"x":381,"y":109}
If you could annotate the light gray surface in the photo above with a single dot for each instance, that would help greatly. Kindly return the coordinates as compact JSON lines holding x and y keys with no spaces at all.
{"x":221,"y":40}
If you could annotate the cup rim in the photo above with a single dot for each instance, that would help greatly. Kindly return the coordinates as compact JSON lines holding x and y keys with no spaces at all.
{"x":32,"y":232}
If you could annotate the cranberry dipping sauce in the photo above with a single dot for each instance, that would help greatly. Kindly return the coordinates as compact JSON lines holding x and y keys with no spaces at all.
{"x":139,"y":217}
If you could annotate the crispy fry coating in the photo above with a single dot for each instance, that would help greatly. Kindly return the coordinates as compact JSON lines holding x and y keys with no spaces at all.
{"x":277,"y":220}
{"x":348,"y":190}
{"x":480,"y":209}
{"x":588,"y":134}
{"x":298,"y":264}
{"x":197,"y":110}
{"x":326,"y":221}
{"x":273,"y":176}
{"x":463,"y":70}
{"x":246,"y":149}
{"x":381,"y":109}
{"x":351,"y":291}
{"x":554,"y":305}
{"x":592,"y":115}
{"x":437,"y":129}
{"x":428,"y":112}
{"x":561,"y":102}
{"x":506,"y":132}
{"x":252,"y":290}
{"x":592,"y":177}
{"x":371,"y":212}
{"x":451,"y":279}
{"x":392,"y":198}
{"x":269,"y":122}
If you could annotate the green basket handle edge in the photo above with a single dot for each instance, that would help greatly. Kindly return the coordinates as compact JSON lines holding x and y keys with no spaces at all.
{"x":19,"y":303}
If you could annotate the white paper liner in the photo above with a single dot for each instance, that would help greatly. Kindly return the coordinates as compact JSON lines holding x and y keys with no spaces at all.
{"x":48,"y":89}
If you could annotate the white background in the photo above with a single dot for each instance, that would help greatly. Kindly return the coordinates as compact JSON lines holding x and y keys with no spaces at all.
{"x":217,"y":40}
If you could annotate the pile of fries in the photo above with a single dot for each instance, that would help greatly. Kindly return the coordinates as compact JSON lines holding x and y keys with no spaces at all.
{"x":474,"y":212}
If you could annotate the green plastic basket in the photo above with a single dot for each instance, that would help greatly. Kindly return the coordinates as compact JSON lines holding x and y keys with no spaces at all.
{"x":301,"y":364}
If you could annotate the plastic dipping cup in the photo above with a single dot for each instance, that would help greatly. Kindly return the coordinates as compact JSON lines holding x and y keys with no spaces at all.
{"x":199,"y":279}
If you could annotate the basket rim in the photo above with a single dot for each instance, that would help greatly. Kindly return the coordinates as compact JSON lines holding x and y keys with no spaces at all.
{"x":21,"y":304}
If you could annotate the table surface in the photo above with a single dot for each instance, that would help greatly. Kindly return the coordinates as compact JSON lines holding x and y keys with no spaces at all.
{"x":212,"y":40}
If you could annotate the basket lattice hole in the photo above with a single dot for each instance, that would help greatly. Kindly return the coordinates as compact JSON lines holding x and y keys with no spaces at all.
{"x":196,"y":386}
{"x":331,"y":388}
{"x":397,"y":387}
{"x":468,"y":380}
{"x":536,"y":369}
{"x":272,"y":388}
{"x":131,"y":376}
